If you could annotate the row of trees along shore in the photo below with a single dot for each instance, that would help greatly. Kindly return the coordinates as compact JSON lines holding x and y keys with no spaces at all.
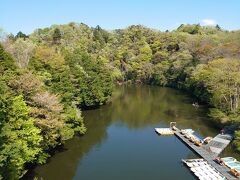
{"x":48,"y":76}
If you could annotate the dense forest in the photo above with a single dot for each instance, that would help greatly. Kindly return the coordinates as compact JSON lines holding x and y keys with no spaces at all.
{"x":49,"y":76}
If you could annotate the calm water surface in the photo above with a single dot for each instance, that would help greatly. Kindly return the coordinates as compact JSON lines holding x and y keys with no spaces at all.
{"x":121,"y":143}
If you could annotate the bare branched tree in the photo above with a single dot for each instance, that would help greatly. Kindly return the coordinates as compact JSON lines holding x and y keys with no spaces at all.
{"x":22,"y":51}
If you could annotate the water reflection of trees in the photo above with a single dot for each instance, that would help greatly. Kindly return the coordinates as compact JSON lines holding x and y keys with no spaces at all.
{"x":147,"y":106}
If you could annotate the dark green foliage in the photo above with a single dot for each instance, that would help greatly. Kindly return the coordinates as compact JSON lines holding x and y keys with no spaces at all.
{"x":7,"y":63}
{"x":21,"y":35}
{"x":100,"y":35}
{"x":92,"y":79}
{"x":218,"y":27}
{"x":56,"y":36}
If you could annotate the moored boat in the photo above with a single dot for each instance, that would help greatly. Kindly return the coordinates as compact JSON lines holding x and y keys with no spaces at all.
{"x":207,"y":140}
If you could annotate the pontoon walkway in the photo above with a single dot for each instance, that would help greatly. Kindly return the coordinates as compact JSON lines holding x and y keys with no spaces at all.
{"x":209,"y":152}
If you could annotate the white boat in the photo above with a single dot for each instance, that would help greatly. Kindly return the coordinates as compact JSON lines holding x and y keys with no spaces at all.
{"x":203,"y":170}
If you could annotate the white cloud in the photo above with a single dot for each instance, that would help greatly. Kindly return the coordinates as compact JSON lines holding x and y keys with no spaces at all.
{"x":208,"y":22}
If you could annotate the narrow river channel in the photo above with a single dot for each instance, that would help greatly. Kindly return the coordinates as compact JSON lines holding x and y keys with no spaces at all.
{"x":121,"y":144}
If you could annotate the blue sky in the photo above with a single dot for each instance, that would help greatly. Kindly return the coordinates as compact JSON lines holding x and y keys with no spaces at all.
{"x":27,"y":15}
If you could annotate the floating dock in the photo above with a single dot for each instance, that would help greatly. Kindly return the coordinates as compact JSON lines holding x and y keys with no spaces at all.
{"x":202,"y":170}
{"x":164,"y":131}
{"x":207,"y":151}
{"x":218,"y":143}
{"x":211,"y":151}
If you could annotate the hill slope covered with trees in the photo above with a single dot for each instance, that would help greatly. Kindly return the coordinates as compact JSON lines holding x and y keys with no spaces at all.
{"x":49,"y":75}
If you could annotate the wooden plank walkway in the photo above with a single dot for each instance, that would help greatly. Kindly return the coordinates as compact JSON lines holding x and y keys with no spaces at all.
{"x":208,"y":155}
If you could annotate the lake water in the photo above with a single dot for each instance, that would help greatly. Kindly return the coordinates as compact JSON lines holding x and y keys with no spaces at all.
{"x":121,"y":143}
